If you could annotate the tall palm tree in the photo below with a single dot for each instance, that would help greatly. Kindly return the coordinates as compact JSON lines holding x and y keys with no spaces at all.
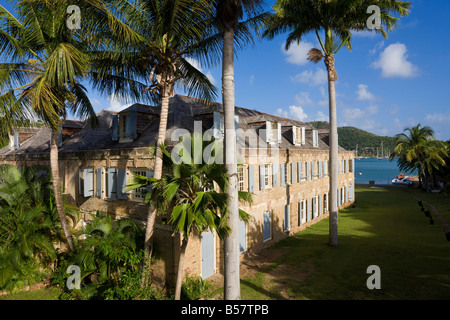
{"x":228,"y":14}
{"x":337,"y":19}
{"x":47,"y":64}
{"x":193,"y":192}
{"x":416,"y":149}
{"x":170,"y":32}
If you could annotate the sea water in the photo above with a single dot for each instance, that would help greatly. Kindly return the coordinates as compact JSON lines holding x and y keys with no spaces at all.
{"x":382,"y":171}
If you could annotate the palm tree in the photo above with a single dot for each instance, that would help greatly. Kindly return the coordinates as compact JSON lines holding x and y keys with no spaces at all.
{"x":228,"y":14}
{"x":170,"y":32}
{"x":337,"y":19}
{"x":47,"y":65}
{"x":416,"y":149}
{"x":194,"y":196}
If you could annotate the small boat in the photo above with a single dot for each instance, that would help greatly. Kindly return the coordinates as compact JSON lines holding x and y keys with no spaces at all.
{"x":401,"y":181}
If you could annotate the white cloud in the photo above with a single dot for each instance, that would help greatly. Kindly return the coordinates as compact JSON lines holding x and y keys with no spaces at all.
{"x":117,"y":103}
{"x":438,"y":118}
{"x":321,"y":116}
{"x":196,"y":65}
{"x":298,"y":53}
{"x":364,"y":94}
{"x":377,"y":47}
{"x":293,"y":112}
{"x":316,"y":78}
{"x":393,"y":62}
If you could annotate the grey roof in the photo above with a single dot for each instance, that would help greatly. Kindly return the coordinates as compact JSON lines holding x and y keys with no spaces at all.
{"x":183,"y":111}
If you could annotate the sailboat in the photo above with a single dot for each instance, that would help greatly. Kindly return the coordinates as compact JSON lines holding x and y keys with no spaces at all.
{"x":378,"y":157}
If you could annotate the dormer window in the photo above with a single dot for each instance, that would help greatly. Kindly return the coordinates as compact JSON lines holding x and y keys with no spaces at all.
{"x":272,"y":132}
{"x":125,"y":126}
{"x":219,"y":125}
{"x":298,"y":135}
{"x":315,"y":138}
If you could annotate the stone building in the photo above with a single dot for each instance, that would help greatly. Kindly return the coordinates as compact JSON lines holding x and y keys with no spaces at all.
{"x":283,"y":162}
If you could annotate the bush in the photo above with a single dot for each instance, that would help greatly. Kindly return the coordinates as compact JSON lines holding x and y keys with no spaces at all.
{"x":194,"y":288}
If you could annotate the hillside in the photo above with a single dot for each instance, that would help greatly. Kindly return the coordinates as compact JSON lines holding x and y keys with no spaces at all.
{"x":367,"y":142}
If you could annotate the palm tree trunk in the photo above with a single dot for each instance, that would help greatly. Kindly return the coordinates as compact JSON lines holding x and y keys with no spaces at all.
{"x":333,"y":219}
{"x":180,"y":272}
{"x":232,"y":289}
{"x":157,"y":173}
{"x":54,"y":165}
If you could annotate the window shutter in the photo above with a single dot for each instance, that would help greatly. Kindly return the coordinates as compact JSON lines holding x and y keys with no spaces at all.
{"x":99,"y":182}
{"x":308,"y":210}
{"x":282,"y":174}
{"x":261,"y":177}
{"x":274,"y":174}
{"x":314,"y":206}
{"x":292,"y":172}
{"x":16,"y":140}
{"x":279,"y":132}
{"x":294,"y":135}
{"x":286,"y":218}
{"x":251,"y":178}
{"x":268,"y":132}
{"x":121,"y":184}
{"x":308,"y":170}
{"x":111,"y":191}
{"x":303,"y":135}
{"x":266,"y":226}
{"x":313,"y":170}
{"x":88,"y":182}
{"x":149,"y":173}
{"x":59,"y":139}
{"x":242,"y":236}
{"x":339,"y":197}
{"x":236,"y":126}
{"x":132,"y":124}
{"x":300,"y":213}
{"x":320,"y":205}
{"x":115,"y":127}
{"x":353,"y":165}
{"x":299,"y":171}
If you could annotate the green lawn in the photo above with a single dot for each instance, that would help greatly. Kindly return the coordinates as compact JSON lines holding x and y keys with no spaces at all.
{"x":387,"y":229}
{"x":50,"y":293}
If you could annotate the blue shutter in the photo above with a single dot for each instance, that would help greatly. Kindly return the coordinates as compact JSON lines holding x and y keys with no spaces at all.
{"x":339,"y":197}
{"x":251,"y":178}
{"x":320,"y":205}
{"x":261,"y":177}
{"x":266,"y":226}
{"x":286,"y":218}
{"x":149,"y":173}
{"x":111,"y":191}
{"x":313,"y":170}
{"x":320,"y":169}
{"x":132,"y":124}
{"x":88,"y":182}
{"x":282,"y":174}
{"x":16,"y":140}
{"x":292,"y":172}
{"x":99,"y":182}
{"x":121,"y":184}
{"x":300,"y":213}
{"x":236,"y":126}
{"x":274,"y":174}
{"x":242,"y":236}
{"x":308,"y":170}
{"x":115,"y":127}
{"x":299,"y":171}
{"x":314,"y":206}
{"x":308,"y":210}
{"x":353,"y":166}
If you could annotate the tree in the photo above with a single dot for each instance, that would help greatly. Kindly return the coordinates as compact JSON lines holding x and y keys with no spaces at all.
{"x":337,"y":19}
{"x":416,"y":149}
{"x":227,"y":16}
{"x":170,"y":33}
{"x":193,"y":192}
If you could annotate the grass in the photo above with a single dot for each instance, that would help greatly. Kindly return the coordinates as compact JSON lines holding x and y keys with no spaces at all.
{"x":48,"y":293}
{"x":386,"y":228}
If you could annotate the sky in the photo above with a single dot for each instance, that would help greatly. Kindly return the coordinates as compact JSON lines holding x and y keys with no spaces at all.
{"x":384,"y":85}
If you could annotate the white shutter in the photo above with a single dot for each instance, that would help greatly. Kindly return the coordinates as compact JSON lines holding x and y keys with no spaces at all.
{"x":303,"y":135}
{"x":294,"y":135}
{"x":279,"y":132}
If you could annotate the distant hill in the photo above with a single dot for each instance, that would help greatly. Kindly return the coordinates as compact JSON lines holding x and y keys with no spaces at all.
{"x":368,"y":143}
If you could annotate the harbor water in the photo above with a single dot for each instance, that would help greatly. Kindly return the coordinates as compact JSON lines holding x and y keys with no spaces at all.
{"x":382,"y":171}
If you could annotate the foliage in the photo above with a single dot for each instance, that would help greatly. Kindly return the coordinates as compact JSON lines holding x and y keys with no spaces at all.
{"x":109,"y":260}
{"x":417,"y":149}
{"x":28,"y":226}
{"x":194,"y":288}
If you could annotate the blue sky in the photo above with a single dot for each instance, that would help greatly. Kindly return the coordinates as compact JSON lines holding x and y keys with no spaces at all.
{"x":384,"y":85}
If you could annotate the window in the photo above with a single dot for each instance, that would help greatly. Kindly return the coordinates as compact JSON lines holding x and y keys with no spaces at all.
{"x":298,"y":135}
{"x":325,"y":202}
{"x":267,"y":175}
{"x":267,"y":226}
{"x":287,"y":223}
{"x":315,"y":206}
{"x":139,"y":193}
{"x":242,"y":236}
{"x":301,"y":212}
{"x":116,"y":181}
{"x":86,"y":182}
{"x":240,"y":175}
